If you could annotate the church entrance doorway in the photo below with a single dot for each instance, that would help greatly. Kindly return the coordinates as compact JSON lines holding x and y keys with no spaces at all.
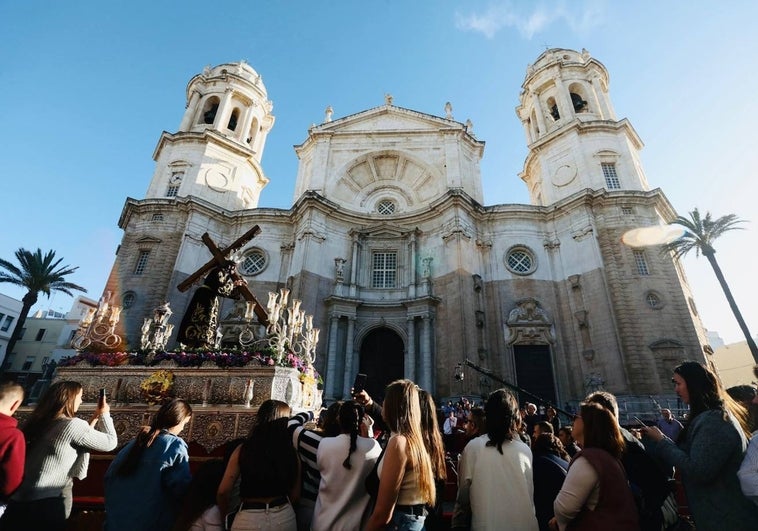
{"x":534,"y":372}
{"x":381,"y":360}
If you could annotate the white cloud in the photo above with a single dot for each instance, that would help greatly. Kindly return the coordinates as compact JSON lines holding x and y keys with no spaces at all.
{"x":579,"y":16}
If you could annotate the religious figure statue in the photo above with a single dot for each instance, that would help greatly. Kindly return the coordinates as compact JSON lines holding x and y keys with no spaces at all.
{"x":200,"y":323}
{"x":449,"y":110}
{"x":328,"y":114}
{"x":388,"y":99}
{"x":339,"y":267}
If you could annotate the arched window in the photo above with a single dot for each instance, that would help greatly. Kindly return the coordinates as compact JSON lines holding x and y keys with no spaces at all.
{"x":208,"y":113}
{"x":232,"y":125}
{"x":535,"y":123}
{"x":127,"y":300}
{"x":553,"y":108}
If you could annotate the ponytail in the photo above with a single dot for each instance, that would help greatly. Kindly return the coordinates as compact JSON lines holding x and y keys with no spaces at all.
{"x":350,"y":417}
{"x":169,"y":415}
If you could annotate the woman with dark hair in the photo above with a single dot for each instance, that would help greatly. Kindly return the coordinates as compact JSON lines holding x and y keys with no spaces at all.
{"x":595,"y":493}
{"x":269,"y":473}
{"x":405,"y":471}
{"x":495,"y":463}
{"x":199,"y":511}
{"x":343,"y":463}
{"x":550,"y":465}
{"x":58,"y":446}
{"x":147,"y":480}
{"x":708,"y":451}
{"x":306,"y":442}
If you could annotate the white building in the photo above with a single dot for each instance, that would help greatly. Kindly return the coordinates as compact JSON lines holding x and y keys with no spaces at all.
{"x":10,"y":309}
{"x":390,"y":244}
{"x":45,"y":338}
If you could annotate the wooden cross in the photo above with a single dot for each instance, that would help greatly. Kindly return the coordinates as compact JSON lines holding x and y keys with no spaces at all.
{"x":219,"y":257}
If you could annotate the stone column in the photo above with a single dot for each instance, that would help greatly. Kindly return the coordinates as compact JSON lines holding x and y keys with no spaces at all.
{"x":354,"y":267}
{"x":331,"y":361}
{"x":426,"y":353}
{"x":538,"y":112}
{"x":412,"y":283}
{"x":603,"y":100}
{"x":224,"y":111}
{"x":349,"y":356}
{"x":186,"y":124}
{"x":562,"y":98}
{"x":410,"y":350}
{"x":243,"y":132}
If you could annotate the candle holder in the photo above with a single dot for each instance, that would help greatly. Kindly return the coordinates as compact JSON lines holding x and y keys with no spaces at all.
{"x":290,"y":329}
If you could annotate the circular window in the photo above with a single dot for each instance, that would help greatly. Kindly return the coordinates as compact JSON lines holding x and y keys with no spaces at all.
{"x":653,"y":300}
{"x":520,"y":260}
{"x":127,"y":300}
{"x":386,"y":207}
{"x":253,"y":262}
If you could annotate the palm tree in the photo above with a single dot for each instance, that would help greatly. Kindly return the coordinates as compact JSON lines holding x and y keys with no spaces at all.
{"x":700,"y":234}
{"x":35,"y":273}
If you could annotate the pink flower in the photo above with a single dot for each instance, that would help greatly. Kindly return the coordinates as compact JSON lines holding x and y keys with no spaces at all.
{"x":271,"y":361}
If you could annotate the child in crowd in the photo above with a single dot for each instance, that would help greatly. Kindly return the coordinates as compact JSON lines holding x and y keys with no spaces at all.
{"x":12,"y":444}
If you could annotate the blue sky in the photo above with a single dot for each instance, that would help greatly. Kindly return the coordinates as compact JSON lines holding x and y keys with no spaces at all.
{"x":87,"y":88}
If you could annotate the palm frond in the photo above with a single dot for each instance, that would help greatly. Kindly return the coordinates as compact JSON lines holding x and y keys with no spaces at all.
{"x":702,"y":231}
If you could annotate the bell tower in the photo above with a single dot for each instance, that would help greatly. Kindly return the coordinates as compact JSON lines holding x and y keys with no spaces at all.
{"x":216,"y":153}
{"x":575,"y":140}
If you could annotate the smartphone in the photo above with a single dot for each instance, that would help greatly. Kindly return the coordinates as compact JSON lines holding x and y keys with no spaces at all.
{"x":359,"y":384}
{"x":101,"y":397}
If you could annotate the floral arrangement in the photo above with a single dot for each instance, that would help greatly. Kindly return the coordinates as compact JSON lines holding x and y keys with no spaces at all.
{"x":158,"y":387}
{"x":196,"y":358}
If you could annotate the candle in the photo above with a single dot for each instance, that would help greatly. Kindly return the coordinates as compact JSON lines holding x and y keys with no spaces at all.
{"x":118,"y":388}
{"x":249,"y":309}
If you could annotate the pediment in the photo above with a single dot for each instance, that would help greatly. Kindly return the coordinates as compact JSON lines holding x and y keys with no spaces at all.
{"x":148,"y":240}
{"x":389,"y":118}
{"x":382,"y":230}
{"x":666,"y":344}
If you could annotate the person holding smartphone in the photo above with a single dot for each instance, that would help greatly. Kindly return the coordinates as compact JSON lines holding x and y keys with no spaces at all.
{"x":58,"y":446}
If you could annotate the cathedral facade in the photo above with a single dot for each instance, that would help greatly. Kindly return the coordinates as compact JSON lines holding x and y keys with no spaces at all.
{"x":390,"y":246}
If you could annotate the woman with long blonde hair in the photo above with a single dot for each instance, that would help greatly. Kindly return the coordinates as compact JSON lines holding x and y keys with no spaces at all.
{"x":406,"y":477}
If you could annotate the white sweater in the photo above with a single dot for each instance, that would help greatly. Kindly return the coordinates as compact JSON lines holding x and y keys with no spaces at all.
{"x":62,"y":453}
{"x":342,"y":498}
{"x":498,"y":487}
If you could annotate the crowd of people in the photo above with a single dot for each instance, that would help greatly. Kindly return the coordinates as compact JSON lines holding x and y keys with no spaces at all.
{"x":364,"y":465}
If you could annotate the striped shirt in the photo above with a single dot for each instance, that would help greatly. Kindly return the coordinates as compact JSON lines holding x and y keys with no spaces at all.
{"x":306,"y":443}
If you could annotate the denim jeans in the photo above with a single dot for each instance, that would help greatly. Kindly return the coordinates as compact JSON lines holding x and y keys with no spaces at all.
{"x":406,"y":522}
{"x":281,"y":518}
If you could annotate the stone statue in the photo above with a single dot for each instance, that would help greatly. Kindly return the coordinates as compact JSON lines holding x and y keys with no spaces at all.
{"x":339,"y":266}
{"x":328,"y":114}
{"x":449,"y":110}
{"x":427,"y":271}
{"x":388,"y":99}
